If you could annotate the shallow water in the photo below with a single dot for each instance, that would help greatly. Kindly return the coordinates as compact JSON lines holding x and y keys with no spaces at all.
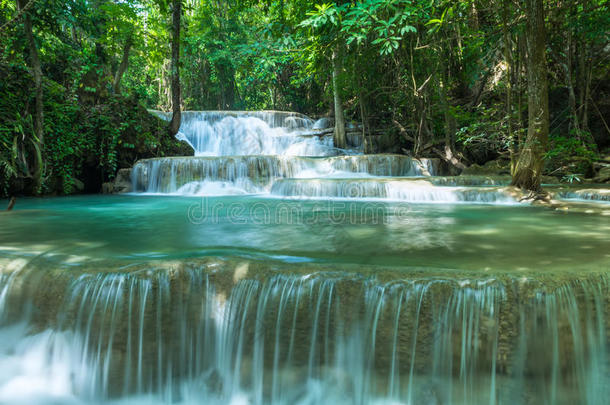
{"x":460,"y":236}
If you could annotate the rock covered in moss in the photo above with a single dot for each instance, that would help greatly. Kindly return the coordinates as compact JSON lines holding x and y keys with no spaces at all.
{"x":493,"y":167}
{"x":603,"y":176}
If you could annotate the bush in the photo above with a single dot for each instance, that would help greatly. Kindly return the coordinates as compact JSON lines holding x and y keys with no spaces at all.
{"x":569,"y":155}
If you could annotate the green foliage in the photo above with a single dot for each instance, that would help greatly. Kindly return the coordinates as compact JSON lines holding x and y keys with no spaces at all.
{"x":572,"y":178}
{"x":81,"y":141}
{"x":482,"y":132}
{"x":435,"y":67}
{"x":569,"y":154}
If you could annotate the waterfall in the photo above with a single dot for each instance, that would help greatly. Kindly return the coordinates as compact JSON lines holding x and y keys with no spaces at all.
{"x":231,"y":133}
{"x":597,"y":195}
{"x":279,"y":298}
{"x":288,"y":155}
{"x":222,"y":331}
{"x":257,"y":173}
{"x":406,"y":190}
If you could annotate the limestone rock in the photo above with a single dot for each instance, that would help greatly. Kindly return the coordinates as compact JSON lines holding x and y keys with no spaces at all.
{"x":121,"y":184}
{"x":107,"y":187}
{"x":603,"y":176}
{"x":493,"y":167}
{"x":323,"y":123}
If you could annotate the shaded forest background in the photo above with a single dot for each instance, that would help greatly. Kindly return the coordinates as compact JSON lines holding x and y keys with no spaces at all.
{"x":431,"y":78}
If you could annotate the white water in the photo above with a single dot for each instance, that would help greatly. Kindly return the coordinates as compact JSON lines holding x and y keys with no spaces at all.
{"x":278,"y":154}
{"x":592,"y":195}
{"x":256,"y":174}
{"x":218,"y":133}
{"x":199,"y":336}
{"x":408,"y":190}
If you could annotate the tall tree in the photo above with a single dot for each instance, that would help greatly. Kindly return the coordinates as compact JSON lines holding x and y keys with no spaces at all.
{"x":34,"y":62}
{"x":529,"y":166}
{"x":339,"y":134}
{"x":174,"y":124}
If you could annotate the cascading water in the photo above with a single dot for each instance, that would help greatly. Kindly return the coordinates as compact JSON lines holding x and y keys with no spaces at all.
{"x":241,"y":332}
{"x":231,"y":133}
{"x":404,"y":189}
{"x":324,"y":284}
{"x":258,"y":173}
{"x":287,"y":155}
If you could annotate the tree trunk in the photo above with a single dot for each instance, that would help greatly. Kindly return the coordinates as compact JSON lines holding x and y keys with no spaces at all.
{"x":530,"y":164}
{"x":38,"y":140}
{"x":509,"y":88}
{"x":174,"y":124}
{"x":519,"y":77}
{"x":450,"y":122}
{"x":116,"y":85}
{"x":367,"y":146}
{"x":339,"y":135}
{"x":571,"y":94}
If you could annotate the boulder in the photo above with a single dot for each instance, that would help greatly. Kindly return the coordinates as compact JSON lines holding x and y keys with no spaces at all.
{"x":603,"y":176}
{"x":323,"y":123}
{"x":107,"y":187}
{"x":79,"y":186}
{"x":492,"y":168}
{"x":121,"y":183}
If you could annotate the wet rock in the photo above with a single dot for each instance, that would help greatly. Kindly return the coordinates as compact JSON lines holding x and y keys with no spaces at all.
{"x":107,"y":187}
{"x":354,"y":139}
{"x":323,"y":123}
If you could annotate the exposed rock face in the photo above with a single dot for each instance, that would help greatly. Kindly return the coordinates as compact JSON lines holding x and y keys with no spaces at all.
{"x":121,"y":184}
{"x":499,"y":167}
{"x":79,"y":186}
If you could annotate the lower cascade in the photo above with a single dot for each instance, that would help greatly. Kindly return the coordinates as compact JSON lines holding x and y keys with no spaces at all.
{"x":226,"y":331}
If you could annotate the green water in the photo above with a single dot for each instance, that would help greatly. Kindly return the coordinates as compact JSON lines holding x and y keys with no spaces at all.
{"x":78,"y":230}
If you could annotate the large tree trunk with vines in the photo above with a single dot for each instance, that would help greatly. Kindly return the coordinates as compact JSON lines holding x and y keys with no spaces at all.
{"x":530,"y":163}
{"x":34,"y":61}
{"x":174,"y":124}
{"x":339,"y":135}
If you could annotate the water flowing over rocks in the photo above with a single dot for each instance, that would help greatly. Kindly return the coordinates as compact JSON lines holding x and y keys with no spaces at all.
{"x":238,"y":327}
{"x":586,"y":194}
{"x":285,"y":154}
{"x":168,"y":175}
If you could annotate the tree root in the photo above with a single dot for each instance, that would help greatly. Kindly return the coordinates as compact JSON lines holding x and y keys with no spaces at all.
{"x":11,"y":203}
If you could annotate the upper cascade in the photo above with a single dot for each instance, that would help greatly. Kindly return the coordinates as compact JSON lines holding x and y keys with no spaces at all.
{"x":289,"y":155}
{"x":239,"y":133}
